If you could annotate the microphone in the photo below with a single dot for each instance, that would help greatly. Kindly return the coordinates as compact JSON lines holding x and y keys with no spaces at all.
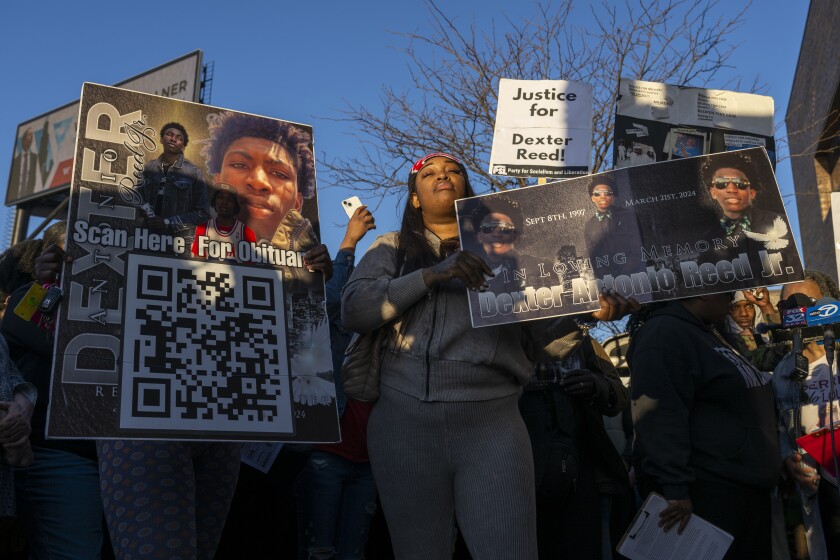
{"x":764,"y":328}
{"x":797,"y":300}
{"x":796,"y":321}
{"x":782,"y":334}
{"x":793,"y":311}
{"x":826,"y":311}
{"x":800,"y":362}
{"x":795,"y":316}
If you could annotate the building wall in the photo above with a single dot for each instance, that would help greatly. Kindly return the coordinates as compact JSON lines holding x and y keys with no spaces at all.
{"x":813,"y":122}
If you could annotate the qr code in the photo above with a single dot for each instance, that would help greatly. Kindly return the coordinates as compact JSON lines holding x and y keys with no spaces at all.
{"x":204,"y":348}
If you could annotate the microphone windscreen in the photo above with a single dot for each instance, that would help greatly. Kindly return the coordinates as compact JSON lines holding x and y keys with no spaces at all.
{"x":797,"y":300}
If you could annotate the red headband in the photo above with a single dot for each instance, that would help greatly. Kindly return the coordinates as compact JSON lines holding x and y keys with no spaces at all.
{"x":422,"y":161}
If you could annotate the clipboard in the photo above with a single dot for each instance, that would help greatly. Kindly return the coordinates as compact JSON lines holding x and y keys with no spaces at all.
{"x":645,"y":540}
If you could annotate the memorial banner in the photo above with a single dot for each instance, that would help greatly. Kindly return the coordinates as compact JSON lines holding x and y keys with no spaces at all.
{"x":543,"y":129}
{"x":187,"y":311}
{"x":670,"y":230}
{"x":657,"y":122}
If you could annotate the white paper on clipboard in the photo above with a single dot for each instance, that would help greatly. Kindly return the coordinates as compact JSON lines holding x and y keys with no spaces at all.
{"x":645,"y":539}
{"x":260,"y":455}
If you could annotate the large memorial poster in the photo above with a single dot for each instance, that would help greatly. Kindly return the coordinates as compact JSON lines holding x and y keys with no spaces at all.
{"x":658,"y":122}
{"x":188,"y":312}
{"x":655,"y":232}
{"x":543,"y":129}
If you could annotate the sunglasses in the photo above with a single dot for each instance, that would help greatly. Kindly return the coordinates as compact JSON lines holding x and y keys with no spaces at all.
{"x":721,"y":183}
{"x":602,"y":193}
{"x":504,"y":229}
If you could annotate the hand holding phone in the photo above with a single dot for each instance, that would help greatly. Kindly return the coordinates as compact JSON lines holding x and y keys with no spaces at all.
{"x":350,"y":205}
{"x":361,"y":221}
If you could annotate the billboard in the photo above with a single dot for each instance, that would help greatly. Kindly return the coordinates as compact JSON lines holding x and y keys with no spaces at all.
{"x":42,"y":158}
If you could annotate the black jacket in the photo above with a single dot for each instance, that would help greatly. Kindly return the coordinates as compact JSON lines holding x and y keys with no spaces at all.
{"x":700,"y":410}
{"x":185,"y":196}
{"x":31,"y":348}
{"x":572,"y":423}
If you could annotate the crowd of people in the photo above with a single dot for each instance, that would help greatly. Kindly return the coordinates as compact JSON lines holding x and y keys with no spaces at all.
{"x":484,"y":442}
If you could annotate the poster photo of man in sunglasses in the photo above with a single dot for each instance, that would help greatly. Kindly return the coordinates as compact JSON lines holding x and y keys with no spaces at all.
{"x":743,"y":218}
{"x":497,"y":226}
{"x":738,"y":197}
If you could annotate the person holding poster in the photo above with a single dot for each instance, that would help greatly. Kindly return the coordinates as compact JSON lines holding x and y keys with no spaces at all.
{"x":705,"y":423}
{"x":271,"y":165}
{"x":17,"y":396}
{"x":219,"y":236}
{"x":336,"y":492}
{"x":612,"y":234}
{"x":446,"y":436}
{"x":574,"y":458}
{"x":58,"y":501}
{"x":174,"y":187}
{"x":176,"y":494}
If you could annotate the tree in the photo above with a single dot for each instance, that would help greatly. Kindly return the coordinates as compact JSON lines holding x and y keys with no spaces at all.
{"x":450,"y":102}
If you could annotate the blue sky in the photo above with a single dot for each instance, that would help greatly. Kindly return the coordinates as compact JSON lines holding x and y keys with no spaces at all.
{"x":301,"y":61}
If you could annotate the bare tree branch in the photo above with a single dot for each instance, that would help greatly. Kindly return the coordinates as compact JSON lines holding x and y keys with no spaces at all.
{"x":449,"y":102}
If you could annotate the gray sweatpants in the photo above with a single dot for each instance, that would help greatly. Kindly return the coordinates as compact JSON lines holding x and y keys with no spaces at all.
{"x":441,"y":462}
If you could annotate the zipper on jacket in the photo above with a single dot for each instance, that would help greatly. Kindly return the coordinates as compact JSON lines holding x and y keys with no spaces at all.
{"x":429,"y":344}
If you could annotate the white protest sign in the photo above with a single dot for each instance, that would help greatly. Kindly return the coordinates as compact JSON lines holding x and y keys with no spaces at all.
{"x":717,"y":108}
{"x":657,"y":122}
{"x":543,"y":129}
{"x":646,"y":100}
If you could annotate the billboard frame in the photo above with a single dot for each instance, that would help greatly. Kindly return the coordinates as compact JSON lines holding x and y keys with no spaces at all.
{"x":51,"y":191}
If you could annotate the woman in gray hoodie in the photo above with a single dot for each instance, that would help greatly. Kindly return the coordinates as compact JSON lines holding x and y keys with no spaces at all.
{"x":445,"y":438}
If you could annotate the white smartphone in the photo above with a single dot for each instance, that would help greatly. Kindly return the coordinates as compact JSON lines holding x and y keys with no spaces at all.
{"x":350,"y":205}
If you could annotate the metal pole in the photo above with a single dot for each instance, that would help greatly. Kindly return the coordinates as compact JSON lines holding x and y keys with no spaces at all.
{"x":21,"y":224}
{"x":58,"y":209}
